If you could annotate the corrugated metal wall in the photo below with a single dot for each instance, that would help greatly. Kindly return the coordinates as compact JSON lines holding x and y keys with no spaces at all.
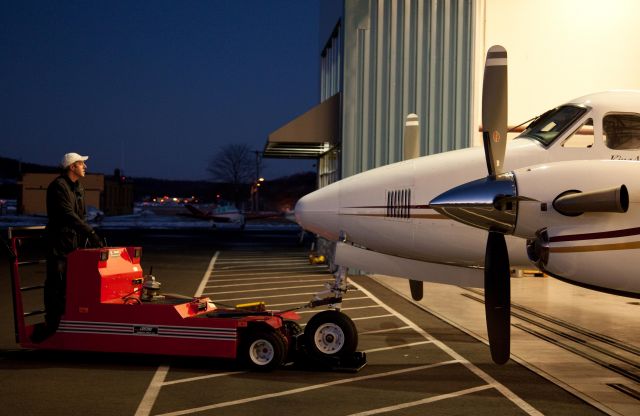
{"x":331,"y":65}
{"x":330,"y":84}
{"x":402,"y":57}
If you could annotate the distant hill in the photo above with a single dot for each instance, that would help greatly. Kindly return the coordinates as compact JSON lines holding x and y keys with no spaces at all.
{"x":13,"y":169}
{"x":280,"y":193}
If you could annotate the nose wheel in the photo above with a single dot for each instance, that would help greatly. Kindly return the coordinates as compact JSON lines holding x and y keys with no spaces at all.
{"x":330,"y":334}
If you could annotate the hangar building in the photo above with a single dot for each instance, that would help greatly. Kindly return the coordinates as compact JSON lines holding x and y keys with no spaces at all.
{"x":382,"y":60}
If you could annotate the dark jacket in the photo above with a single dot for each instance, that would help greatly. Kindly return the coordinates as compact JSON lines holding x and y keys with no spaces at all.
{"x":67,"y":228}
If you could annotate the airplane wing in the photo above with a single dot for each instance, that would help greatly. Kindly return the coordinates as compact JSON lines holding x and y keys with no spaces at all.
{"x":197,"y":213}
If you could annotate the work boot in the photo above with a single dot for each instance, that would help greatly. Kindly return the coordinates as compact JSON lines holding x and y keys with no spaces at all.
{"x":41,"y":331}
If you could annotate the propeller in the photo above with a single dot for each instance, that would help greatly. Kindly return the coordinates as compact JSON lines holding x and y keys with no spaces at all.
{"x":417,"y":289}
{"x":494,"y":109}
{"x":497,"y":286}
{"x":497,"y":297}
{"x":490,"y":203}
{"x":411,"y":144}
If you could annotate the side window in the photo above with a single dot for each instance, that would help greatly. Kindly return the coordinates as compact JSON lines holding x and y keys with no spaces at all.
{"x":621,"y":131}
{"x":582,"y":137}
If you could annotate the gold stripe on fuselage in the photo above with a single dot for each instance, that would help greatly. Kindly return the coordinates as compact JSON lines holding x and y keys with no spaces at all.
{"x":599,"y":247}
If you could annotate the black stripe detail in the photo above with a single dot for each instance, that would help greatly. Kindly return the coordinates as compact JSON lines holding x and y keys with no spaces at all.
{"x":494,"y":55}
{"x":595,"y":236}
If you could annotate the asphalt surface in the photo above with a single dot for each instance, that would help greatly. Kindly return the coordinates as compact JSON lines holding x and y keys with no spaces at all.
{"x":417,"y":364}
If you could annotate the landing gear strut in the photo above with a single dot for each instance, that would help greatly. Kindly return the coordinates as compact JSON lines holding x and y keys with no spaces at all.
{"x":331,"y":337}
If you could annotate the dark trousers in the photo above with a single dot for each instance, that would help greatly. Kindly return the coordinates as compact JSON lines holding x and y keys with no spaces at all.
{"x":55,"y":286}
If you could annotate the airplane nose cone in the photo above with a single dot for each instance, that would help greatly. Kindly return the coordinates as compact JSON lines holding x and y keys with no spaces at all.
{"x":489,"y":203}
{"x":319,"y":212}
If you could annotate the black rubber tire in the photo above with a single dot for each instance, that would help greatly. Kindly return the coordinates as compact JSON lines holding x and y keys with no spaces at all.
{"x":330,"y":334}
{"x":263,"y":349}
{"x":292,"y":328}
{"x":295,"y":333}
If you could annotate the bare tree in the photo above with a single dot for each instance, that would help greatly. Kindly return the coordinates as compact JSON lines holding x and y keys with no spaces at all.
{"x":237,"y":165}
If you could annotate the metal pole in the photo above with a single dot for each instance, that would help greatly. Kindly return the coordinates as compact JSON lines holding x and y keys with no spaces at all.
{"x":256,"y":197}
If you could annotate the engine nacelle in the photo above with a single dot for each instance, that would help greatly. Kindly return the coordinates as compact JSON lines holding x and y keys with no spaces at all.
{"x":583,"y":257}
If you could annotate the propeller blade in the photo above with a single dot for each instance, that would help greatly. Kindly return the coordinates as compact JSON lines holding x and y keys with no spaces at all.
{"x":411,"y":145}
{"x":497,"y":297}
{"x":417,"y":289}
{"x":411,"y":138}
{"x":494,"y":109}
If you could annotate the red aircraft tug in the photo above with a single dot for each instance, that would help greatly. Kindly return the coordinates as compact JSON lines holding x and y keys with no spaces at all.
{"x":111,"y":306}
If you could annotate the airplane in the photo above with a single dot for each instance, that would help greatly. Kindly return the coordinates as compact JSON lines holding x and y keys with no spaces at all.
{"x":226,"y":214}
{"x":221,"y":214}
{"x":562,"y":195}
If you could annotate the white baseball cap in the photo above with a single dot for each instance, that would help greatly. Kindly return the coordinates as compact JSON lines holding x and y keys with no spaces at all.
{"x":71,"y":158}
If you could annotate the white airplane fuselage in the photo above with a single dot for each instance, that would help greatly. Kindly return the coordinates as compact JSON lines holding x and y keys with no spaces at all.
{"x":385,"y":210}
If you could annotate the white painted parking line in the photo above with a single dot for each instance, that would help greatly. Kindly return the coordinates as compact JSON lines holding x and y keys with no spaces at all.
{"x":258,"y":266}
{"x":262,"y":290}
{"x":207,"y":275}
{"x":190,"y":379}
{"x":382,"y":331}
{"x":364,"y":318}
{"x":259,"y":271}
{"x":265,"y":297}
{"x":396,"y":347}
{"x":260,"y":255}
{"x":158,"y":380}
{"x":253,"y":264}
{"x":243,"y":279}
{"x":298,"y":303}
{"x":423,"y":401}
{"x":276,"y":282}
{"x":477,"y":371}
{"x":151,"y":395}
{"x":259,"y":260}
{"x":256,"y":259}
{"x":306,"y":389}
{"x":345,"y":309}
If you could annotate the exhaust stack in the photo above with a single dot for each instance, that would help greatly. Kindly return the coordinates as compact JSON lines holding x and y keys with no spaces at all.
{"x":574,"y":203}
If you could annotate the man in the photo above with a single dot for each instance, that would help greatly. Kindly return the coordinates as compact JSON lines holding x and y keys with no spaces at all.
{"x":66,"y":231}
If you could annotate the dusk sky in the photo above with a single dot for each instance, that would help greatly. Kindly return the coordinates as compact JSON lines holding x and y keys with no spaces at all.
{"x":154,"y":87}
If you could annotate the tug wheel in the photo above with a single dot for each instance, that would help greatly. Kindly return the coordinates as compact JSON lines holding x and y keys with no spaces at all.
{"x":264,"y":350}
{"x":292,"y":327}
{"x":331,"y":334}
{"x":295,"y":333}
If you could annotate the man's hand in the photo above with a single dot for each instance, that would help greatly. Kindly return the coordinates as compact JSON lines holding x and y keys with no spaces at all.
{"x":95,"y":241}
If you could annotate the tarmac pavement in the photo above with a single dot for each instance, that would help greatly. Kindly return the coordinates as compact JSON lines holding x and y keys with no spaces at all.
{"x":417,"y":363}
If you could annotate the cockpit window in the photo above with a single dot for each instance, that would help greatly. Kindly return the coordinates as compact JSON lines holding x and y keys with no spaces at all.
{"x":552,"y":124}
{"x":621,"y":131}
{"x":582,"y":137}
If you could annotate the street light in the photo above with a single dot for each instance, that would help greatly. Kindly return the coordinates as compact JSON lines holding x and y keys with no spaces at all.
{"x":254,"y":190}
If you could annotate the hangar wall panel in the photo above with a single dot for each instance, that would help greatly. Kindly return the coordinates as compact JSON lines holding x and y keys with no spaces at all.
{"x":402,"y":57}
{"x":558,"y":50}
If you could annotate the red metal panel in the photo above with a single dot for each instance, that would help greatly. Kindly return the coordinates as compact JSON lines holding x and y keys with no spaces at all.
{"x":97,"y":318}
